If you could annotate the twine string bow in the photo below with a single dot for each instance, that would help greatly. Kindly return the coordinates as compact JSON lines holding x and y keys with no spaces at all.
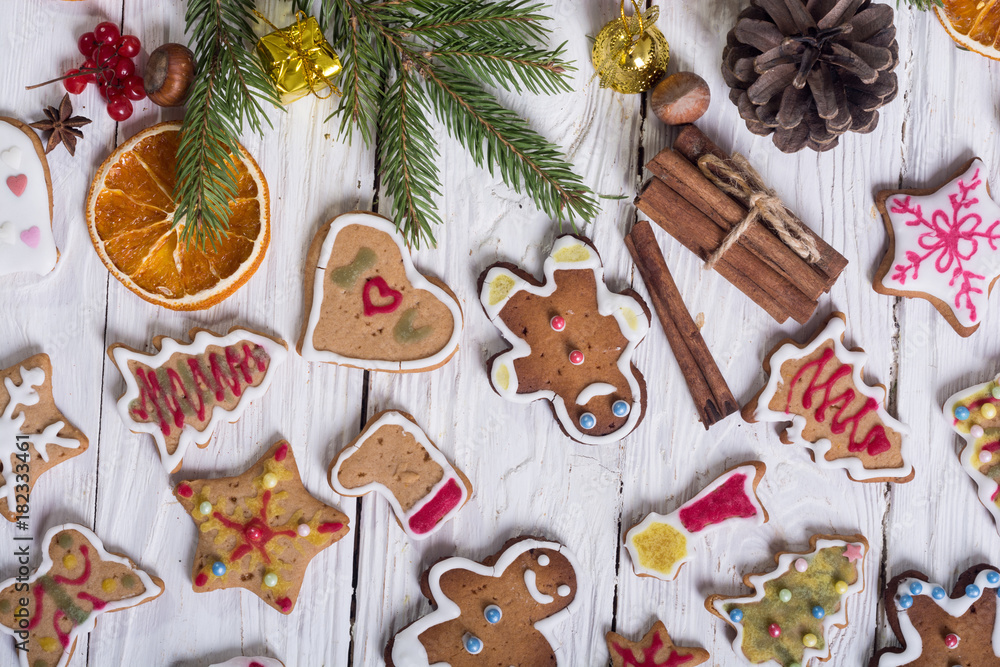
{"x":312,"y":71}
{"x":736,"y":177}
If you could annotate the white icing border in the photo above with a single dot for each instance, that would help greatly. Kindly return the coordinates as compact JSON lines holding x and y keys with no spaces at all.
{"x":394,"y":418}
{"x":834,"y":332}
{"x":152,"y":590}
{"x":608,"y":303}
{"x":785,"y":563}
{"x":954,"y":607}
{"x":32,"y":209}
{"x":417,"y":280}
{"x":984,"y":485}
{"x":247,"y":661}
{"x":407,"y":651}
{"x":673,"y":520}
{"x":202,"y":341}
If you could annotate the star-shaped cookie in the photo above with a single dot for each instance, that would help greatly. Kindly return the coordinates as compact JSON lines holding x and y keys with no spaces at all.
{"x":77,"y":581}
{"x":656,"y":649}
{"x":259,"y":531}
{"x":943,"y":246}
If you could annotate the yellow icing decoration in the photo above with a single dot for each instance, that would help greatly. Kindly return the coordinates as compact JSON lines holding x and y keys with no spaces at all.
{"x":69,"y":561}
{"x":660,"y":547}
{"x":630,"y":318}
{"x":108,"y":585}
{"x":48,"y":644}
{"x":572,"y":253}
{"x":503,"y":377}
{"x":500,"y":287}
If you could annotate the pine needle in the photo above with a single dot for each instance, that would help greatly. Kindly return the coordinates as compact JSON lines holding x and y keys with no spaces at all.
{"x":922,"y":5}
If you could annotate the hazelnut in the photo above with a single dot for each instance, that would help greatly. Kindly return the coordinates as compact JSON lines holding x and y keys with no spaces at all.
{"x":169,"y":75}
{"x":681,"y":98}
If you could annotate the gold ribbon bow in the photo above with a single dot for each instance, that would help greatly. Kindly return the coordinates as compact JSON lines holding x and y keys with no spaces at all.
{"x":299,"y":58}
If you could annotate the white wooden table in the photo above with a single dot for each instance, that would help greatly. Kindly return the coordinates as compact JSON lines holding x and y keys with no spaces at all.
{"x":529,"y":478}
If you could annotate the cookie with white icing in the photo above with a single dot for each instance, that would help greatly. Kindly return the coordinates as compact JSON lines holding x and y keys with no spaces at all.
{"x":34,"y":434}
{"x":366,"y":306}
{"x":660,"y":545}
{"x":944,"y":245}
{"x":77,"y":581}
{"x":572,"y":342}
{"x":181,"y":392}
{"x":394,"y":458}
{"x":819,"y":387}
{"x":974,"y":414}
{"x":26,"y":241}
{"x":250,"y":662}
{"x":938,"y":629}
{"x":503,"y":611}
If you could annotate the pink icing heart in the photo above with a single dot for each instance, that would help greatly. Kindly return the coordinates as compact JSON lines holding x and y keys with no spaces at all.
{"x":31,"y":237}
{"x":17,"y":184}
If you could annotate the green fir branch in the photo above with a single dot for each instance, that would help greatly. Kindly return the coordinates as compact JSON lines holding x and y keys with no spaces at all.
{"x":363,"y":73}
{"x":510,"y":21}
{"x":229,"y":86}
{"x":922,"y":5}
{"x":538,"y":70}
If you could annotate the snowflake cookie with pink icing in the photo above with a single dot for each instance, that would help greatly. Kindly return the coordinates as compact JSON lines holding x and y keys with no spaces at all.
{"x":944,"y":246}
{"x":503,"y":611}
{"x":973,"y":413}
{"x":937,"y":629}
{"x":250,"y":662}
{"x":26,"y":241}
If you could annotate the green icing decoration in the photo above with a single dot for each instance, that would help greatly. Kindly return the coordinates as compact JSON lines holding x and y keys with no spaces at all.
{"x":346,"y":276}
{"x":405,"y":333}
{"x":40,"y":663}
{"x":4,"y":607}
{"x":65,"y":540}
{"x":813,"y":587}
{"x":63,"y":601}
{"x":128,"y":581}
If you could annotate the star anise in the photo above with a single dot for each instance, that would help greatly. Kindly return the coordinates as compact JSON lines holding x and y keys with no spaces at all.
{"x":61,"y":126}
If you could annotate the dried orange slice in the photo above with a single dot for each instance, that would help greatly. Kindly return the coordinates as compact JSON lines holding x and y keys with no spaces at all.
{"x":130,"y":213}
{"x":973,"y":24}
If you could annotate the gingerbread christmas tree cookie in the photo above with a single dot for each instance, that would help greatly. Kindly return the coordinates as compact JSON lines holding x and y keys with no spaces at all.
{"x":76,"y":582}
{"x":944,"y":246}
{"x":656,"y":649}
{"x":660,"y":545}
{"x":26,"y":241}
{"x":937,"y":629}
{"x":572,"y":342}
{"x":974,"y":413}
{"x":260,"y":530}
{"x":789,"y":616}
{"x":180,"y":393}
{"x":368,"y":307}
{"x":394,"y":458}
{"x":819,"y":387}
{"x":502,"y":611}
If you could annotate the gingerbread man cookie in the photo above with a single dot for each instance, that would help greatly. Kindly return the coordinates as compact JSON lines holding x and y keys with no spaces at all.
{"x":936,"y":629}
{"x":77,"y":581}
{"x":180,"y":393}
{"x":944,"y":246}
{"x":393,"y":457}
{"x":656,"y":649}
{"x":572,"y":342}
{"x":499,"y":612}
{"x":819,"y":387}
{"x":34,"y":434}
{"x":973,"y":413}
{"x":368,"y":307}
{"x":259,"y":531}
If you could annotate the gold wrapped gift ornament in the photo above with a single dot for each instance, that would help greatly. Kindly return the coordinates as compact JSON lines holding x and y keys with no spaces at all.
{"x":630,"y":53}
{"x":299,"y":59}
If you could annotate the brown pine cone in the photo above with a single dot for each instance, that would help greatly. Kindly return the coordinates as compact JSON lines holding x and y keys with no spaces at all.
{"x":811,"y":70}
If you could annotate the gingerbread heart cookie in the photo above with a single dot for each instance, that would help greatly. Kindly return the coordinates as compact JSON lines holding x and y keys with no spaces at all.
{"x":572,"y":341}
{"x":498,"y":612}
{"x":77,"y":581}
{"x":368,"y":307}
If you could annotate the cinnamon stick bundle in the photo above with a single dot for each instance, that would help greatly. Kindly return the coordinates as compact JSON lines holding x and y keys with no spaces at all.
{"x":712,"y":397}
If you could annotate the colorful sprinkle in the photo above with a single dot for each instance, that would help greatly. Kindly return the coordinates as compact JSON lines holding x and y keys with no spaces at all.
{"x":905,"y":601}
{"x":254,"y":534}
{"x":976,"y":431}
{"x":951,"y":641}
{"x":784,"y":595}
{"x":961,"y":413}
{"x":774,"y":630}
{"x":69,"y":561}
{"x":303,"y":530}
{"x":736,"y":616}
{"x":205,"y":507}
{"x":989,"y":411}
{"x":841,"y":587}
{"x":996,"y":391}
{"x":270,"y":580}
{"x":281,"y":453}
{"x":270,"y":480}
{"x":557,"y":323}
{"x":620,"y":408}
{"x":818,"y":612}
{"x":587,"y":421}
{"x":993,"y":577}
{"x":493,"y":613}
{"x":938,"y":593}
{"x":576,"y":357}
{"x":985,"y":456}
{"x":563,"y":591}
{"x":201,"y":580}
{"x":801,"y":565}
{"x":473,"y":645}
{"x":809,"y":640}
{"x":916,"y":588}
{"x":285,"y":604}
{"x":973,"y":591}
{"x":218,"y":568}
{"x":109,"y":585}
{"x":184,"y":491}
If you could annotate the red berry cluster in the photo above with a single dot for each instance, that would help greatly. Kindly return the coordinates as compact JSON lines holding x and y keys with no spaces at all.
{"x":109,"y":54}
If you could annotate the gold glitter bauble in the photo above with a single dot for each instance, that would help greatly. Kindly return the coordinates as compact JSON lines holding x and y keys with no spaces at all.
{"x":631,"y":54}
